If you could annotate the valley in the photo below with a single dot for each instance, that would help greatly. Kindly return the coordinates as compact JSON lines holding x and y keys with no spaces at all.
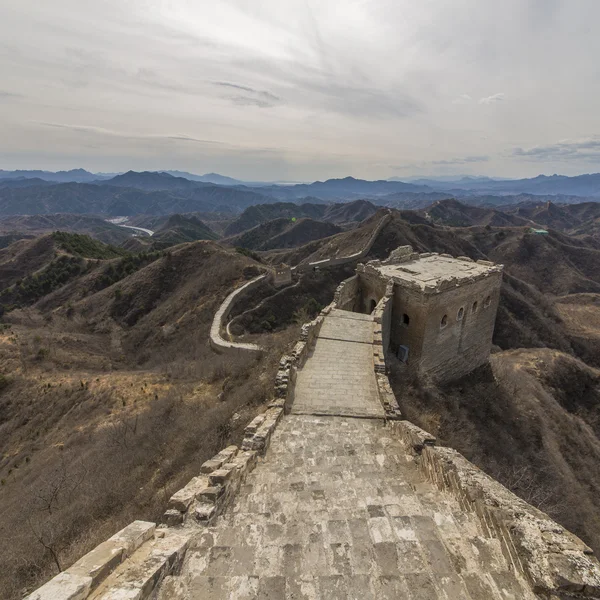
{"x":111,"y":396}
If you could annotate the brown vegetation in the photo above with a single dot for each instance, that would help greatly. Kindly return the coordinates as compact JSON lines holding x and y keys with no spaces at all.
{"x":110,"y":403}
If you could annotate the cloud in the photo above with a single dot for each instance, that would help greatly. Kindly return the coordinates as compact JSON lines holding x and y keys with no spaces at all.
{"x":355,"y":85}
{"x":466,"y":160}
{"x":493,"y":99}
{"x":9,"y":95}
{"x":108,"y":132}
{"x":587,"y":149}
{"x":462,"y":99}
{"x":253,"y":97}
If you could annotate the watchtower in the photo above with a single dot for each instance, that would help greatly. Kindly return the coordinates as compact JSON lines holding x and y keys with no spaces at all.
{"x":282,"y":275}
{"x":443,"y":309}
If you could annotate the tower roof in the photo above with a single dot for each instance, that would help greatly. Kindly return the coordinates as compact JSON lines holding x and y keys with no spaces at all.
{"x":432,"y":272}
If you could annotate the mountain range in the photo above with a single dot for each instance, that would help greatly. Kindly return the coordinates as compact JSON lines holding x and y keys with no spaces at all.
{"x":162,"y":193}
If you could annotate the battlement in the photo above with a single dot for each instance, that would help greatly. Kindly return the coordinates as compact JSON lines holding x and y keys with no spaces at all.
{"x":430,"y":273}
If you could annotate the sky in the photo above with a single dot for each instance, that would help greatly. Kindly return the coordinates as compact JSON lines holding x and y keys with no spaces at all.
{"x":301,"y":90}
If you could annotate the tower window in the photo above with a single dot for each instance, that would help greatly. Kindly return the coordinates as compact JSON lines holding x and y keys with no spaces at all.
{"x":444,"y":322}
{"x":487,"y":301}
{"x":405,"y":320}
{"x":475,"y":306}
{"x":460,"y":314}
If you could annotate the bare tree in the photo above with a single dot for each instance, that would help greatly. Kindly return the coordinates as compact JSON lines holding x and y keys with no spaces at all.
{"x":54,"y":494}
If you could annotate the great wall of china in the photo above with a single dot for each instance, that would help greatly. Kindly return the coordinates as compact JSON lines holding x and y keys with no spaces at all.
{"x":332,"y":494}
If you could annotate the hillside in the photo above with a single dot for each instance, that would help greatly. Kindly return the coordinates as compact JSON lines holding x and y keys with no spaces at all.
{"x":575,"y":219}
{"x":283,"y":233}
{"x":111,"y":401}
{"x":31,"y":269}
{"x":95,"y":363}
{"x":90,"y":225}
{"x":456,"y":214}
{"x":261,"y":213}
{"x":178,"y":229}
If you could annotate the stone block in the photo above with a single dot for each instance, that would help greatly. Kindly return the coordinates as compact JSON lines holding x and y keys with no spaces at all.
{"x":217,"y":461}
{"x":172,"y":517}
{"x":209,"y":466}
{"x":182,"y":499}
{"x":220,"y":476}
{"x":65,"y":586}
{"x":139,"y":581}
{"x":204,"y":512}
{"x":100,"y":562}
{"x":210,"y":494}
{"x":415,"y":438}
{"x":134,"y":535}
{"x":254,"y":425}
{"x":105,"y":557}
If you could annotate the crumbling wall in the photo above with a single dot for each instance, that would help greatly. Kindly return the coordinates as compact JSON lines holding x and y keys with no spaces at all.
{"x":342,"y":260}
{"x":217,"y":342}
{"x":347,"y":294}
{"x":555,"y":561}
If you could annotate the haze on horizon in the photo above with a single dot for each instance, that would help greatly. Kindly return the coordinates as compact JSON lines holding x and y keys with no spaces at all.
{"x":302,"y":90}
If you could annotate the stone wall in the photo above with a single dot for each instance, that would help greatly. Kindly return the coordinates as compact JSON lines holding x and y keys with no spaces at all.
{"x":141,"y":553}
{"x":346,"y":294}
{"x":556,"y":562}
{"x":217,"y":342}
{"x":342,"y":260}
{"x":464,"y":343}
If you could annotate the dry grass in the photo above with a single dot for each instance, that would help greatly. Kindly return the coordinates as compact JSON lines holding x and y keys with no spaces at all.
{"x":103,"y":417}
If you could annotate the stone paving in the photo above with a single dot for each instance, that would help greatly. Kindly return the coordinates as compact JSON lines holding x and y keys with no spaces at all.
{"x":338,"y":378}
{"x":338,"y":510}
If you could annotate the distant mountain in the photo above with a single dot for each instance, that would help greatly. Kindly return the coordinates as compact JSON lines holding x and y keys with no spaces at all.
{"x":95,"y":227}
{"x":149,"y":180}
{"x":580,"y":185}
{"x":261,"y":213}
{"x":345,"y":189}
{"x":74,"y":175}
{"x":455,"y":214}
{"x":20,"y":182}
{"x":576,"y":219}
{"x":110,"y":200}
{"x":208,"y":178}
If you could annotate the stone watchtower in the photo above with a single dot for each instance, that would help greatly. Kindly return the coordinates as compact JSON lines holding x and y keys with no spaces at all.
{"x":282,"y":275}
{"x":443,"y":309}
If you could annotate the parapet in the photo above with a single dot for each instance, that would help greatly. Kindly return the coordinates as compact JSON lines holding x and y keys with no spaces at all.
{"x":429,"y":272}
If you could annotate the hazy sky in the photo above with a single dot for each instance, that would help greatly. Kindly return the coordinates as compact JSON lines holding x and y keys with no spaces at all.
{"x":302,"y":89}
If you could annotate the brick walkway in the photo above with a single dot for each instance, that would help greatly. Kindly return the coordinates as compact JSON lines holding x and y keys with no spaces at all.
{"x":338,"y":511}
{"x":338,"y":378}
